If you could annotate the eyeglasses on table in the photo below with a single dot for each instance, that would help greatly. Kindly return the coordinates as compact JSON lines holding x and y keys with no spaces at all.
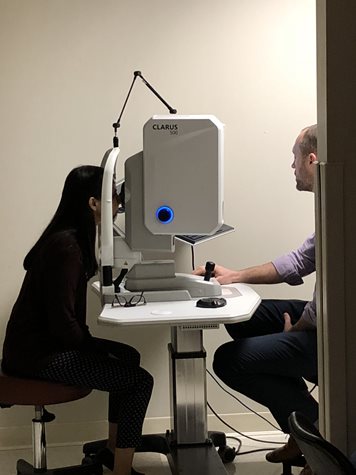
{"x":133,"y":301}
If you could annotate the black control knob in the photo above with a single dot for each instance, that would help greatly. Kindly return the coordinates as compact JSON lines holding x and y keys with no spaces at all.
{"x":209,"y":269}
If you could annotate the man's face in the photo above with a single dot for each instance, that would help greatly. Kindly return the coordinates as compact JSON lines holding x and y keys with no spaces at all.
{"x":304,"y":167}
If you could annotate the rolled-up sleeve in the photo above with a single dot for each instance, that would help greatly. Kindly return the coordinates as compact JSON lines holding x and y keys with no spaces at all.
{"x":292,"y":267}
{"x":309,"y":312}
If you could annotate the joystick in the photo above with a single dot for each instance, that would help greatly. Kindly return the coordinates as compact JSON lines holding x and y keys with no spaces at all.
{"x":209,"y":269}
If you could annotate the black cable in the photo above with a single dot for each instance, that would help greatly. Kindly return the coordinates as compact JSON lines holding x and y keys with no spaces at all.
{"x":171,"y":110}
{"x":255,"y":450}
{"x":237,"y":451}
{"x":241,"y":433}
{"x":249,"y":451}
{"x":233,"y":437}
{"x":227,"y":425}
{"x":242,"y":403}
{"x":116,"y":125}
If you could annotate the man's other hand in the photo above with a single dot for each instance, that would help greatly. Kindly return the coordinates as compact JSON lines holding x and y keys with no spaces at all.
{"x":287,"y":322}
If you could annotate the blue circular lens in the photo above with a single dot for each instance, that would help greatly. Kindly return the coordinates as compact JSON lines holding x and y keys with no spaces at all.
{"x":164,"y":214}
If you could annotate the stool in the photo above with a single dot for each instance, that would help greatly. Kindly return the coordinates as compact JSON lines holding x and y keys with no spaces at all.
{"x":38,"y":393}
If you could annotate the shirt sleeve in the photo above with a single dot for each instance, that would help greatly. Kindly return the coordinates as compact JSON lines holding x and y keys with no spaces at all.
{"x":292,"y":267}
{"x":309,"y":312}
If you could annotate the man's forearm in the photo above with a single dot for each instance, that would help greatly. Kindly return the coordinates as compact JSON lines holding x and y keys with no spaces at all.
{"x":262,"y":274}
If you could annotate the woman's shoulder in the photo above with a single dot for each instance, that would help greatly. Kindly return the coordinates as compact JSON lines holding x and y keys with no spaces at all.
{"x":62,"y":243}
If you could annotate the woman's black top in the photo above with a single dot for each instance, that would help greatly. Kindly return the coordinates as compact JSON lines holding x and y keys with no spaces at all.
{"x":50,"y":312}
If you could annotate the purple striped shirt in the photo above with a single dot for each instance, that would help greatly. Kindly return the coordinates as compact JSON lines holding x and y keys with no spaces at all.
{"x":292,"y":267}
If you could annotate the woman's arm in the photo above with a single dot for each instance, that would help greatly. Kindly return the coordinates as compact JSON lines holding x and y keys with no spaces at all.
{"x":65,"y":295}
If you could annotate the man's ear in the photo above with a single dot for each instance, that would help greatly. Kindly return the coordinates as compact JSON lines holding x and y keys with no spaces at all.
{"x":93,"y":203}
{"x":312,"y":158}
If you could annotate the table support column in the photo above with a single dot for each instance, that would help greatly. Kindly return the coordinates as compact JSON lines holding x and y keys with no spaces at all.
{"x":188,"y":386}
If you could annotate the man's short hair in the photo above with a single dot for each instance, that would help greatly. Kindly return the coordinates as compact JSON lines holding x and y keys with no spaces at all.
{"x":309,"y":141}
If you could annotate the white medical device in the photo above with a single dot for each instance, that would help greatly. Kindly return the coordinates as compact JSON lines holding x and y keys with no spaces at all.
{"x":173,"y":187}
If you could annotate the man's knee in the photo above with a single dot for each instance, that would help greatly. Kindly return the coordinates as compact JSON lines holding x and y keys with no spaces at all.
{"x":222,"y":362}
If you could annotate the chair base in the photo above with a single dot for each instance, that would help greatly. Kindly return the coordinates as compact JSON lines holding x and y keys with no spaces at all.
{"x":25,"y":468}
{"x":297,"y":462}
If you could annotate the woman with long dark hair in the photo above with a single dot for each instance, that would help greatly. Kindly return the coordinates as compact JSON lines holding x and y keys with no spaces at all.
{"x":47,"y":336}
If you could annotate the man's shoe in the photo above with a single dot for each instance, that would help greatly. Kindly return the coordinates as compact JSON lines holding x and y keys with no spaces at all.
{"x":286,"y":453}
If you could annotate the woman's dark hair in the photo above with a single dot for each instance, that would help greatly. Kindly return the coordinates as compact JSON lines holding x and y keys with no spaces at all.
{"x":74,"y":214}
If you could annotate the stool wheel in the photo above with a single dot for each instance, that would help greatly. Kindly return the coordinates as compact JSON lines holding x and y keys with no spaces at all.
{"x":87,"y":460}
{"x":96,"y":466}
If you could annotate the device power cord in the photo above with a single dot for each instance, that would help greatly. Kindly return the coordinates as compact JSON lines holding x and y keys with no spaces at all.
{"x":246,"y":452}
{"x":241,"y":433}
{"x":242,"y":403}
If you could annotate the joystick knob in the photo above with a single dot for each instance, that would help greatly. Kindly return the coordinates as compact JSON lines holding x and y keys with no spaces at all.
{"x":209,"y":269}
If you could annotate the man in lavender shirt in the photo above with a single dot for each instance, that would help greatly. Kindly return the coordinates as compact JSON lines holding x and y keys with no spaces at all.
{"x":273,"y":352}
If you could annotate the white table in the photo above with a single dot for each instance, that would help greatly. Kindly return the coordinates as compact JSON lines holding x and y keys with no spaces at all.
{"x":241,"y":303}
{"x":190,"y":450}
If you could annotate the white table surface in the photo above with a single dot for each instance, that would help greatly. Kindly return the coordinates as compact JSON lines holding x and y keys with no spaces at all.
{"x":241,"y":300}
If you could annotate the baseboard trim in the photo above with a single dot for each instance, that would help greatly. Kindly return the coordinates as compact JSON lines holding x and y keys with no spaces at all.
{"x":77,"y":432}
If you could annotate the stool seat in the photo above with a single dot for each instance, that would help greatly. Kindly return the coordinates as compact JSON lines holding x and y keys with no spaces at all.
{"x":35,"y":392}
{"x":21,"y":391}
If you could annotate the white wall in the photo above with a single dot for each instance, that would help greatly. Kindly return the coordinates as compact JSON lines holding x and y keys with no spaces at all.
{"x":66,"y":68}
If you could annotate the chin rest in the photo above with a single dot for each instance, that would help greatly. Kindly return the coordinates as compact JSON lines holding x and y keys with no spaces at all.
{"x":38,"y":393}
